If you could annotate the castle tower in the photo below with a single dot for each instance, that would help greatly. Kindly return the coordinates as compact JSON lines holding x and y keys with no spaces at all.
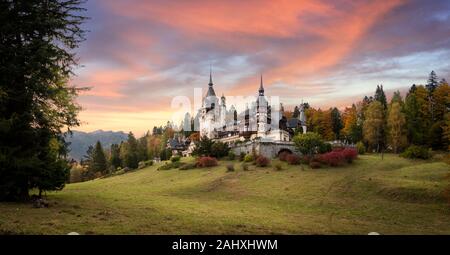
{"x":223,"y":112}
{"x":261,"y":112}
{"x":302,"y":117}
{"x":209,"y":112}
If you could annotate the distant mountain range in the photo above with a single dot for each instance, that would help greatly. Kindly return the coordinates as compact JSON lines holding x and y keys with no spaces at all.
{"x":80,"y":141}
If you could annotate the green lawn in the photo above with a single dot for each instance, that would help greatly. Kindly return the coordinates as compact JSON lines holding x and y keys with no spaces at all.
{"x":393,"y":196}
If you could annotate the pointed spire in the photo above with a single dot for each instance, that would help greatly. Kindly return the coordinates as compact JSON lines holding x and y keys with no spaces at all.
{"x":261,"y":88}
{"x":210,"y":76}
{"x":211,"y":92}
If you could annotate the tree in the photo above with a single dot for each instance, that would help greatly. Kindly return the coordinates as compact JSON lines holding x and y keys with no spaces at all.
{"x":417,"y":115}
{"x":352,"y":129}
{"x":446,"y":131}
{"x":203,"y":147}
{"x":380,"y":96}
{"x":129,"y":153}
{"x":308,"y":143}
{"x":336,"y":122}
{"x":327,"y":129}
{"x":219,"y":149}
{"x":153,"y":146}
{"x":98,"y":163}
{"x":115,"y":156}
{"x":396,"y":124}
{"x":432,"y":82}
{"x":296,"y":113}
{"x":397,"y":98}
{"x":36,"y":58}
{"x":142,"y":149}
{"x":441,"y":100}
{"x":374,"y":125}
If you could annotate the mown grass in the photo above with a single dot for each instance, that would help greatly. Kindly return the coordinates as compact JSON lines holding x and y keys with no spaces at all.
{"x":390,"y":196}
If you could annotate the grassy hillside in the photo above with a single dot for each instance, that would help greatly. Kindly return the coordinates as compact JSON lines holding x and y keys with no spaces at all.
{"x":393,"y":196}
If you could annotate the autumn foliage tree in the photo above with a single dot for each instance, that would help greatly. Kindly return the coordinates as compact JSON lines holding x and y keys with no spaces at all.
{"x":396,"y":125}
{"x":374,"y":126}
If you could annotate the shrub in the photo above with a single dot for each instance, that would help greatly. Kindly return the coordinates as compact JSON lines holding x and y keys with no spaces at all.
{"x":244,"y":167}
{"x":248,"y":158}
{"x":349,"y":154}
{"x":308,"y":143}
{"x":361,"y":148}
{"x":262,"y":161}
{"x":219,"y":150}
{"x":170,"y":165}
{"x":230,"y":168}
{"x":415,"y":151}
{"x":305,"y":159}
{"x":314,"y":164}
{"x":334,"y":158}
{"x":231,"y":155}
{"x":283,"y":155}
{"x":324,"y":148}
{"x":293,"y":159}
{"x":206,"y":162}
{"x":175,"y":158}
{"x":242,"y":156}
{"x":278,"y":167}
{"x":188,"y":166}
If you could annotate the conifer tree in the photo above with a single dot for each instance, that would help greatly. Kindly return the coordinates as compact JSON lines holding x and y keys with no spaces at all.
{"x":380,"y":96}
{"x":432,"y":82}
{"x":337,"y":124}
{"x":99,"y":163}
{"x":115,"y":156}
{"x":37,"y":42}
{"x":296,"y":113}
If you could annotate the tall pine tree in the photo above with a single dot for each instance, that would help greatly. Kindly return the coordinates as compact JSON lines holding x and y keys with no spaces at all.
{"x":37,"y":39}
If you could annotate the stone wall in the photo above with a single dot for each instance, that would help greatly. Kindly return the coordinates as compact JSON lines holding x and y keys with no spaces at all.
{"x":267,"y":149}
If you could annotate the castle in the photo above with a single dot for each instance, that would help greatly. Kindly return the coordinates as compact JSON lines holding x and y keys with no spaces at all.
{"x":260,"y":122}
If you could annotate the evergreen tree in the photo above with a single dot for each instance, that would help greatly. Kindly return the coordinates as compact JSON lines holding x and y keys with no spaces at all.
{"x":413,"y":119}
{"x":380,"y":96}
{"x":37,"y":39}
{"x":115,"y":156}
{"x":142,"y":150}
{"x":87,"y":158}
{"x":130,"y":157}
{"x":432,"y":82}
{"x":203,"y":147}
{"x":296,"y":113}
{"x":98,"y":163}
{"x":336,"y":122}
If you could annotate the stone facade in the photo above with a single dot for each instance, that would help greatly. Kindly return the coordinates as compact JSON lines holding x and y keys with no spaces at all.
{"x":267,"y":149}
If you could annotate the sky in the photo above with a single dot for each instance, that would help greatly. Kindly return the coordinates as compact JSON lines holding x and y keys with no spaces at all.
{"x":139,"y":55}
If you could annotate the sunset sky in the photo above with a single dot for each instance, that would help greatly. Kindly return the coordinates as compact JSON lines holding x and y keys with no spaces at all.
{"x":140,"y":54}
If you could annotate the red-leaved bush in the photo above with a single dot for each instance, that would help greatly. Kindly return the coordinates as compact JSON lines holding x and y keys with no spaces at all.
{"x":305,"y":159}
{"x":283,"y":155}
{"x":293,"y":159}
{"x":350,"y":154}
{"x":206,"y":162}
{"x":334,"y":158}
{"x":262,"y":161}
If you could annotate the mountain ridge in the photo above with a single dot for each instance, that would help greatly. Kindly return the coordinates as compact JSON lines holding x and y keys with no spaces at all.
{"x":80,"y":141}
